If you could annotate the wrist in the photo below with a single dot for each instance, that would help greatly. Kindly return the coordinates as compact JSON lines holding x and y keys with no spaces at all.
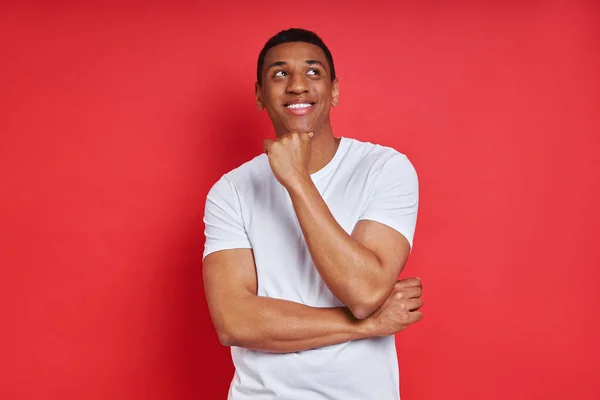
{"x":367,"y":328}
{"x":298,"y":184}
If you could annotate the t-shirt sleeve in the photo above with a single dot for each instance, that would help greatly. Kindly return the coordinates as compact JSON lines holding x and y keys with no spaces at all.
{"x":395,"y":198}
{"x":223,"y":222}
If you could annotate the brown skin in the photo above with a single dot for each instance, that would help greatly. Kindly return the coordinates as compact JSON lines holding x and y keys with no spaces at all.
{"x":297,"y":70}
{"x":298,"y":78}
{"x":361,"y":269}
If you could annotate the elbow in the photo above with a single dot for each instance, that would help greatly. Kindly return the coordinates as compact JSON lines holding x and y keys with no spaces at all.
{"x":366,"y":305}
{"x":229,"y":337}
{"x":232,"y":329}
{"x":362,"y":311}
{"x":225,"y":338}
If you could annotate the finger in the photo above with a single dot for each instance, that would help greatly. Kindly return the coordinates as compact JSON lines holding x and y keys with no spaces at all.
{"x":408,"y":282}
{"x":415,"y":316}
{"x":414,"y":304}
{"x":405,"y":294}
{"x":303,"y":136}
{"x":414,"y":292}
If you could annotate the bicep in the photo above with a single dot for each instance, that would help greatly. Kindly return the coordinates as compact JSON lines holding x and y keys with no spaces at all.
{"x":386,"y":226}
{"x":228,"y":276}
{"x":387,"y":244}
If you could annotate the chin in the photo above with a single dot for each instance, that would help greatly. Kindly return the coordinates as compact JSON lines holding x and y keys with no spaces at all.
{"x":300,"y":128}
{"x":295,"y":126}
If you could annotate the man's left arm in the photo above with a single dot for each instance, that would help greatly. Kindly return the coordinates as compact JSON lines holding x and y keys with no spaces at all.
{"x":361,"y":268}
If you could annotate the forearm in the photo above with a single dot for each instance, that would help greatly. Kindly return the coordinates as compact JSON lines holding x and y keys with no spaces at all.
{"x":280,"y":326}
{"x":352,"y":272}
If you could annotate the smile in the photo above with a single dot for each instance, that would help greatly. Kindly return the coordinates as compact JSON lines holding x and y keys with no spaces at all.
{"x":299,"y":109}
{"x":297,"y":106}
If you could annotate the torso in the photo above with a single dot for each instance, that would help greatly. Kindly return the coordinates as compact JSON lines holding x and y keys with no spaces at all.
{"x":363,"y":369}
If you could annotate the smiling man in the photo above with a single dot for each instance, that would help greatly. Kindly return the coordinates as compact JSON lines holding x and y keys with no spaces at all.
{"x":304,"y":245}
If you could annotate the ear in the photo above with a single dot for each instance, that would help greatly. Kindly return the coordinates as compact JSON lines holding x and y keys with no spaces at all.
{"x":335,"y":92}
{"x":259,"y":103}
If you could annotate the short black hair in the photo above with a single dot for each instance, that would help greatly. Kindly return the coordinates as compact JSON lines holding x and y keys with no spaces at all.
{"x":289,"y":36}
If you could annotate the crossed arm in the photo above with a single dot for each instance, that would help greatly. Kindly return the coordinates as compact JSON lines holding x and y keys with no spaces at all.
{"x":244,"y":319}
{"x":360,"y":269}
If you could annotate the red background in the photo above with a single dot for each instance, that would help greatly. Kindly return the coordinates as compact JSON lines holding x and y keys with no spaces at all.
{"x":116,"y":120}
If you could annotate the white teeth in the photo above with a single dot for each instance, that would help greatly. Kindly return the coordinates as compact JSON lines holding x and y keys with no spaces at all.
{"x":301,"y":105}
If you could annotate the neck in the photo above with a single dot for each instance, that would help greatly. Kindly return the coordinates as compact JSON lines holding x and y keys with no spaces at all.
{"x":323,"y":147}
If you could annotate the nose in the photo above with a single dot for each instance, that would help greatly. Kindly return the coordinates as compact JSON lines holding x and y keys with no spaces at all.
{"x":297,"y":84}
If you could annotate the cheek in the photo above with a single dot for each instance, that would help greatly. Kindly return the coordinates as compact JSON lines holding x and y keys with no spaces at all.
{"x":324,"y":94}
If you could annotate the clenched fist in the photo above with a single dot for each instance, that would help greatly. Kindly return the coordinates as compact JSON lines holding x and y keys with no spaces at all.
{"x":399,"y":310}
{"x":289,"y":157}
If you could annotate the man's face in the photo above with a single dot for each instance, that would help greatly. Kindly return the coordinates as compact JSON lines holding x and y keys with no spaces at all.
{"x":296,"y":89}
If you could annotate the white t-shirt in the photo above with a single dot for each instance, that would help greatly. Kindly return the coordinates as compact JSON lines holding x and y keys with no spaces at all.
{"x":249,"y":208}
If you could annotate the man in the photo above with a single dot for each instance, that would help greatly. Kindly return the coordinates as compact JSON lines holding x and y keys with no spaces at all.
{"x":304,"y":245}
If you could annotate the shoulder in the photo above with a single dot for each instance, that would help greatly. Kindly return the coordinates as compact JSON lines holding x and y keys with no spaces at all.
{"x":381,"y":159}
{"x":247,"y":174}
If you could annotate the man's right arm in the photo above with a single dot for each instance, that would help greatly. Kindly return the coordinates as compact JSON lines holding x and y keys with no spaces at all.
{"x":246,"y":320}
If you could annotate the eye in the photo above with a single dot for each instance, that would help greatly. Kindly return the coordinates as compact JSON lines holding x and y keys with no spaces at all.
{"x":280,"y":73}
{"x":314,"y":71}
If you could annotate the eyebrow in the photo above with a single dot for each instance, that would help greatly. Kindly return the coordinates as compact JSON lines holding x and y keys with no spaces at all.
{"x":313,"y":62}
{"x":283,"y":63}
